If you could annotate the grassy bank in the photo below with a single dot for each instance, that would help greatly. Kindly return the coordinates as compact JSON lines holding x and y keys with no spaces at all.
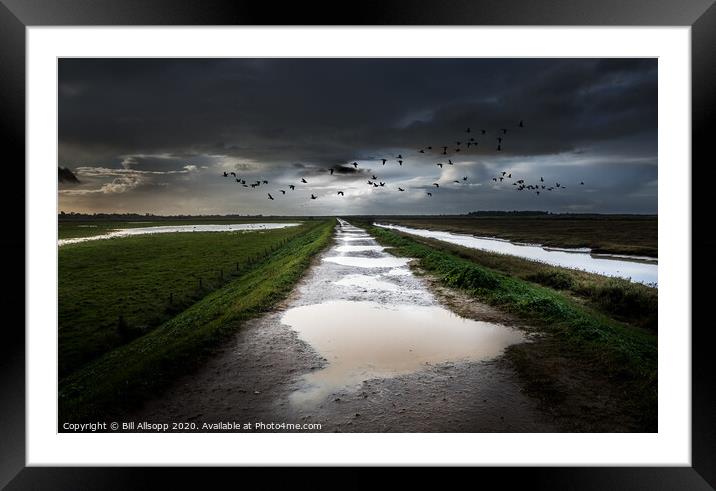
{"x":607,"y":234}
{"x":627,"y":355}
{"x":112,"y":291}
{"x":131,"y":371}
{"x":620,"y":299}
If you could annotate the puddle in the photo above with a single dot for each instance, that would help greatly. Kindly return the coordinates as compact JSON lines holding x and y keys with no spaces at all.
{"x":367,"y":340}
{"x":634,"y":268}
{"x":359,"y":248}
{"x":126,"y":232}
{"x":368,"y":282}
{"x":352,"y":237}
{"x":368,"y":262}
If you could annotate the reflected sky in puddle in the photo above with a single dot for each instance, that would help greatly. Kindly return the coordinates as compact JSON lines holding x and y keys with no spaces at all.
{"x":364,"y":340}
{"x":359,"y":248}
{"x":368,"y":262}
{"x":368,"y":282}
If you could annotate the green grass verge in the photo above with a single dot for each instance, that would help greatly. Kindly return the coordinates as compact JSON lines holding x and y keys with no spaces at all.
{"x":626,"y":353}
{"x":112,"y":291}
{"x":132,"y":371}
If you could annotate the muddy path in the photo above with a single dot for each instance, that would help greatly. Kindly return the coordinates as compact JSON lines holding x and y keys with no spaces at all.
{"x":361,"y":345}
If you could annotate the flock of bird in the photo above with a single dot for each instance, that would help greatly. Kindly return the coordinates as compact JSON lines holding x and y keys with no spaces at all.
{"x":443,"y":151}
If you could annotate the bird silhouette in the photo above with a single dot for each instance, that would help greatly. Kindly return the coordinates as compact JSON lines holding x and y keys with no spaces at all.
{"x":430,"y":194}
{"x":384,"y":161}
{"x":581,"y":183}
{"x":282,"y":191}
{"x":313,"y":196}
{"x":504,"y":131}
{"x":269,"y":196}
{"x":464,"y":178}
{"x":456,"y":181}
{"x":440,"y":165}
{"x":499,"y":148}
{"x":331,"y":171}
{"x":444,"y":150}
{"x":291,"y":187}
{"x":436,"y":184}
{"x":374,"y":178}
{"x":382,"y":184}
{"x":522,"y":124}
{"x":483,"y":131}
{"x":421,"y":151}
{"x":400,"y":156}
{"x":355,"y":164}
{"x":265,"y":182}
{"x":467,"y":130}
{"x":401,"y":189}
{"x":341,"y":193}
{"x":400,"y":162}
{"x":450,"y":162}
{"x":541,"y":179}
{"x":233,"y":174}
{"x":304,"y":181}
{"x":226,"y":174}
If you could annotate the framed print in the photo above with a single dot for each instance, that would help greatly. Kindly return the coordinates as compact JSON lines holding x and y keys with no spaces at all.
{"x":436,"y":236}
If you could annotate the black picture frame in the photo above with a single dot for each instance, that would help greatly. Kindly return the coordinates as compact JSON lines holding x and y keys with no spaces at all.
{"x":16,"y":15}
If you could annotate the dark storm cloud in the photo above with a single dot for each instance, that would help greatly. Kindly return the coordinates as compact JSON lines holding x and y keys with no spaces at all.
{"x":66,"y":176}
{"x":284,"y":118}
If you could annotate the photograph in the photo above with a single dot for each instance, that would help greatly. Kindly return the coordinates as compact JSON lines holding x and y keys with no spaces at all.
{"x":357,"y":244}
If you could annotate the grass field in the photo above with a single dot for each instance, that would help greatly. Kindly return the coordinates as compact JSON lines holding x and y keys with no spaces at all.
{"x":146,"y":280}
{"x":608,"y":234}
{"x":627,"y":354}
{"x":132,"y":371}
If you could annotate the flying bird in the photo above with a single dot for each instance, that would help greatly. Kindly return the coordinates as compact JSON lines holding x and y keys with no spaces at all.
{"x":282,"y":191}
{"x":313,"y":196}
{"x":384,"y":161}
{"x":429,"y":194}
{"x":269,"y":196}
{"x":401,"y":189}
{"x":233,"y":174}
{"x":291,"y":187}
{"x":226,"y":174}
{"x":304,"y":181}
{"x":440,"y":165}
{"x":331,"y":171}
{"x":341,"y":193}
{"x":436,"y":184}
{"x":355,"y":164}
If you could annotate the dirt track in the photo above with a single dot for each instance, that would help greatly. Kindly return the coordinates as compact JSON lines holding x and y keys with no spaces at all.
{"x":259,"y":373}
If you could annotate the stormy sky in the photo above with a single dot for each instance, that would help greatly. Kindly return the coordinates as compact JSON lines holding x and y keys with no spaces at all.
{"x":156,"y":135}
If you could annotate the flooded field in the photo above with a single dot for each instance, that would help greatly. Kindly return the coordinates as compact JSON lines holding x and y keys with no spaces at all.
{"x":129,"y":232}
{"x":363,"y":345}
{"x":638,"y":269}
